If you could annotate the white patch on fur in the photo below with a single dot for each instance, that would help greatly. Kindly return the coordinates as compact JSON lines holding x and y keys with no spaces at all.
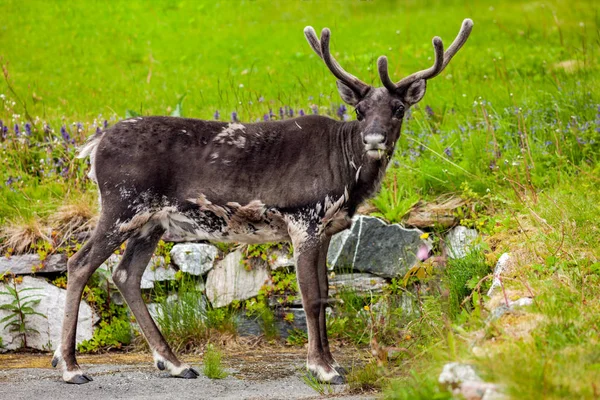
{"x":89,"y":149}
{"x":321,"y":373}
{"x":120,"y":275}
{"x":358,"y":174}
{"x":66,"y":375}
{"x":173,"y":370}
{"x":232,"y":135}
{"x":213,"y":157}
{"x":129,"y":121}
{"x":298,"y":231}
{"x":298,"y":125}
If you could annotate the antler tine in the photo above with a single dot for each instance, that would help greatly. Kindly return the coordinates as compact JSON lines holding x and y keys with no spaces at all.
{"x":461,"y":38}
{"x":430,"y":72}
{"x":313,"y":40}
{"x":441,"y":59}
{"x":382,"y":67}
{"x":321,"y":47}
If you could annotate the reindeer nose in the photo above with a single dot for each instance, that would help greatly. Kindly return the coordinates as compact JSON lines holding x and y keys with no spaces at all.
{"x":373,"y":139}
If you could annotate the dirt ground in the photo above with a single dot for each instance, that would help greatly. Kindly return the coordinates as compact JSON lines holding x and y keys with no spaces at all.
{"x":262,"y":373}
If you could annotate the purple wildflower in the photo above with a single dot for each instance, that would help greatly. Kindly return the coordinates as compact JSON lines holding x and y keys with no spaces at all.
{"x":448,"y":151}
{"x":98,"y":130}
{"x":9,"y":181}
{"x":429,"y":111}
{"x":65,"y":135}
{"x":17,"y":130}
{"x":234,"y":116}
{"x":281,"y":113}
{"x":105,"y":124}
{"x":341,"y":111}
{"x":271,"y":114}
{"x":266,"y":117}
{"x":28,"y":129}
{"x":315,"y":109}
{"x":291,"y":112}
{"x":79,"y":127}
{"x":581,"y":141}
{"x":301,"y":113}
{"x":217,"y":115}
{"x":47,"y":128}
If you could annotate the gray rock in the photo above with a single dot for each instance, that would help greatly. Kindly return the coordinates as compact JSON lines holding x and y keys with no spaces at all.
{"x":460,"y":240}
{"x":52,"y":306}
{"x":282,"y":260}
{"x":501,"y":266}
{"x":502,"y":309}
{"x":194,"y":258}
{"x":229,"y":280}
{"x":361,"y":283}
{"x":454,"y":374}
{"x":27,"y":264}
{"x":156,"y":271}
{"x":251,"y":326}
{"x":373,"y":246}
{"x":463,"y":381}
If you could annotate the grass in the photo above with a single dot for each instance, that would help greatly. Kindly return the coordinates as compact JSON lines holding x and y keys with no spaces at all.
{"x":512,"y":127}
{"x":212,"y":367}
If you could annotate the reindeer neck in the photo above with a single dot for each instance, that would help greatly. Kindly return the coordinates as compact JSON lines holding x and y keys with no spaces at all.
{"x":367,"y":173}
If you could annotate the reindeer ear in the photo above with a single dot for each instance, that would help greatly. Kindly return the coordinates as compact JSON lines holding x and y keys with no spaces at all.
{"x":415,"y":92}
{"x":347,"y":94}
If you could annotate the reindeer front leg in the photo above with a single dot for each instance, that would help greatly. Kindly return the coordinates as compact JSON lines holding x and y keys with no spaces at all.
{"x":307,"y":246}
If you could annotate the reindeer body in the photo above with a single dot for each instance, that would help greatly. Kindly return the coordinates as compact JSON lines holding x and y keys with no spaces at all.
{"x":206,"y":180}
{"x":297,"y":180}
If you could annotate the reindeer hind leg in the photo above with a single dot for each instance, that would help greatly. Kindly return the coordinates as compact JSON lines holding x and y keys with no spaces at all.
{"x":127,"y":276}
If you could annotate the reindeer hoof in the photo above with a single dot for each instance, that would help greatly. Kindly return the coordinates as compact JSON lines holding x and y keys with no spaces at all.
{"x":189,"y":373}
{"x":337,"y":380}
{"x":160,"y":365}
{"x":341,"y":370}
{"x":55,"y":361}
{"x":79,"y":379}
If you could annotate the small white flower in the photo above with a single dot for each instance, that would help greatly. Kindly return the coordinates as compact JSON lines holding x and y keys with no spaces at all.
{"x":241,"y":85}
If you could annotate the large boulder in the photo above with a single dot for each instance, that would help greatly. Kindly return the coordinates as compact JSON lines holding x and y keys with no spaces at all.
{"x":48,"y":326}
{"x":27,"y":264}
{"x":371,"y":245}
{"x":194,"y":258}
{"x":229,"y":280}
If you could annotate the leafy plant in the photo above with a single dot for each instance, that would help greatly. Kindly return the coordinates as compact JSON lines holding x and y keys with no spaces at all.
{"x":212,"y":365}
{"x":19,"y":309}
{"x":109,"y":335}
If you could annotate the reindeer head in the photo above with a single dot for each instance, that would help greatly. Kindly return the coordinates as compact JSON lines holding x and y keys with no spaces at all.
{"x":380,"y":110}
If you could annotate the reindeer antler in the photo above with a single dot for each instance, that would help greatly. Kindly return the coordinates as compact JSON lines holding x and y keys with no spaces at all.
{"x":441,"y":60}
{"x":321,"y":47}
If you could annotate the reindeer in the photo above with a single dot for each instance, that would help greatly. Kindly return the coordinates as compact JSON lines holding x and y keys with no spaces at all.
{"x":298,"y":180}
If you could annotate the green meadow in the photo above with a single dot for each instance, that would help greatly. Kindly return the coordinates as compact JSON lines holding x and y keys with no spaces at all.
{"x":511,"y":128}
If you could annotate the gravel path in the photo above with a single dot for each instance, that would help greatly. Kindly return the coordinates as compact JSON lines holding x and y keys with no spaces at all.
{"x":253,"y":375}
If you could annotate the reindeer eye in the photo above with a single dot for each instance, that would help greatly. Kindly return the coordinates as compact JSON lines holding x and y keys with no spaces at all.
{"x":399,"y":112}
{"x":359,"y":115}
